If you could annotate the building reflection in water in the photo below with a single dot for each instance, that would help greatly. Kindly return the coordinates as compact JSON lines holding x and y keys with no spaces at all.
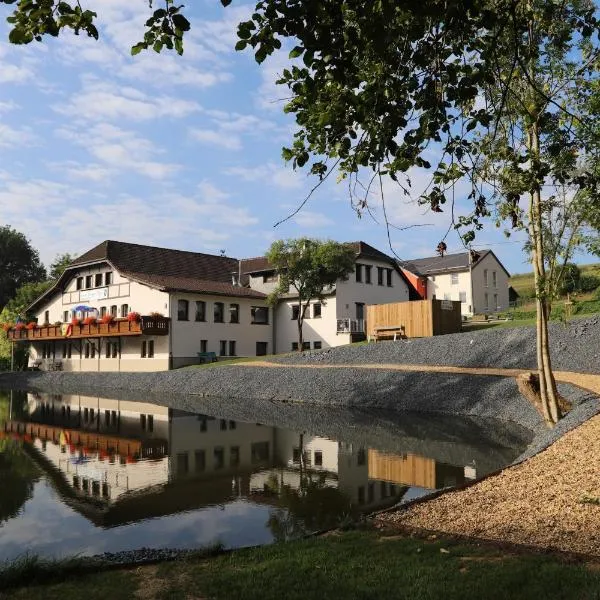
{"x":120,"y":461}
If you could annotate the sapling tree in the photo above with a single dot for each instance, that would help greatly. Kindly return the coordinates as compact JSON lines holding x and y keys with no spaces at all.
{"x":308,"y":269}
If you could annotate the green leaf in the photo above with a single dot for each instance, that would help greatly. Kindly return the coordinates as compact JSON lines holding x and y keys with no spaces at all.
{"x":241,"y":45}
{"x":225,"y":2}
{"x":137,"y":48}
{"x":296,"y":52}
{"x":181,"y":22}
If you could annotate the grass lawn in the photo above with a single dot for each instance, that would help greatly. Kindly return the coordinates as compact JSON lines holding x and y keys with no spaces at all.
{"x":353,"y":565}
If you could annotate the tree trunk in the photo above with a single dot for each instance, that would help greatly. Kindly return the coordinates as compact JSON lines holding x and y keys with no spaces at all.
{"x":548,"y":393}
{"x":300,"y":334}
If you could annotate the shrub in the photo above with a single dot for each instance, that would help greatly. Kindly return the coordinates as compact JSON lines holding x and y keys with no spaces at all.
{"x":7,"y":326}
{"x":156,"y":315}
{"x":571,"y":276}
{"x":31,"y":325}
{"x":108,"y":318}
{"x":134,"y":317}
{"x":596,"y":294}
{"x":589,"y":283}
{"x":89,"y":321}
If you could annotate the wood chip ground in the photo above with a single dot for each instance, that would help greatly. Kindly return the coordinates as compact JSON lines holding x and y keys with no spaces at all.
{"x":549,"y":501}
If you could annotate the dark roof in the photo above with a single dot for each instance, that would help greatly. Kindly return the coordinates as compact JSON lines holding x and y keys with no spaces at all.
{"x":449,"y":263}
{"x":260,"y":264}
{"x":163,"y":268}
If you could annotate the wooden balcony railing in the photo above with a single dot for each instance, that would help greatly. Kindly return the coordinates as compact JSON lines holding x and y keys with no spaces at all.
{"x":119,"y":327}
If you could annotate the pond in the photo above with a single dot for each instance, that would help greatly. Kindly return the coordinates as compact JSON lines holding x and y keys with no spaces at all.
{"x":86,"y":475}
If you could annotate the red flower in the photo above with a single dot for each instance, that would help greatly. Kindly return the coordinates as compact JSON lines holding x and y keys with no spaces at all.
{"x":89,"y":321}
{"x":134,"y":317}
{"x":75,"y":321}
{"x":20,"y":326}
{"x":107,"y":319}
{"x":31,"y":325}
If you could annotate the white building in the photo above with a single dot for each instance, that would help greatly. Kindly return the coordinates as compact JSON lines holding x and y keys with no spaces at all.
{"x":339,"y":320}
{"x":157,"y":309}
{"x":477,"y":279}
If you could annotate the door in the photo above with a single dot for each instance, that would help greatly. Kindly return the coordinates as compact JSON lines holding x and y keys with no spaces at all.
{"x":261,"y":348}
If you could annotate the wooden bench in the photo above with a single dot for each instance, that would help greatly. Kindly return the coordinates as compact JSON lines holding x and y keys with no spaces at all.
{"x":207,"y":357}
{"x":394,"y":331}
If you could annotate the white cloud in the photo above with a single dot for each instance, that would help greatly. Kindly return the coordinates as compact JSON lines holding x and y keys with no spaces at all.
{"x":272,"y":174}
{"x":121,"y":150}
{"x":217,"y":138}
{"x":107,"y":101}
{"x":10,"y":136}
{"x":312,"y":220}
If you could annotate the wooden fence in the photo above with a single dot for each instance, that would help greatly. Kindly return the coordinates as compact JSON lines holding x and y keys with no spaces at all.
{"x":422,"y":318}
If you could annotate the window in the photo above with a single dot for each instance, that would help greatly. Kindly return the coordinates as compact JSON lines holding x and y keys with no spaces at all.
{"x":108,"y":349}
{"x":124,"y":310}
{"x":360,"y":310}
{"x":317,"y":310}
{"x":358,"y":271}
{"x":379,"y":275}
{"x":361,"y":494}
{"x":232,"y":425}
{"x":495,"y":307}
{"x":143,"y":352}
{"x":200,"y":461}
{"x":203,"y":345}
{"x":295,"y":311}
{"x":47,"y":316}
{"x":113,"y":310}
{"x":182,"y":310}
{"x":219,"y":457}
{"x":486,"y":301}
{"x":65,"y":316}
{"x":494,"y":279}
{"x":93,"y":350}
{"x":305,"y":345}
{"x":98,"y":280}
{"x":200,"y":310}
{"x":183,"y":466}
{"x":454,"y":279}
{"x":143,"y":422}
{"x":260,"y":315}
{"x":270,"y":277}
{"x":317,"y":345}
{"x":218,"y":313}
{"x":462,"y":296}
{"x":232,"y":348}
{"x":223,"y":348}
{"x":102,"y":311}
{"x":259,"y":452}
{"x":485,"y":277}
{"x":261,"y":348}
{"x":361,"y":457}
{"x":389,"y":277}
{"x":294,"y":346}
{"x":150,"y":423}
{"x":234,"y":313}
{"x":367,"y":273}
{"x":80,"y":283}
{"x":318,"y":458}
{"x":150,"y":348}
{"x":108,"y":278}
{"x":234,"y":456}
{"x":88,"y":282}
{"x":223,"y":424}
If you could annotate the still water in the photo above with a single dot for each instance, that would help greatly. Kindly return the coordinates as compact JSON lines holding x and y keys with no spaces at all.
{"x":85,"y":475}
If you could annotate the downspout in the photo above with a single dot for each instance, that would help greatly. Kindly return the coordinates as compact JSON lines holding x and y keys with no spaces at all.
{"x":170,"y":354}
{"x":471,"y":282}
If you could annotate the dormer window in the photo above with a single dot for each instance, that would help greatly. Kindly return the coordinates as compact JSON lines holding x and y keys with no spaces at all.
{"x":108,"y":278}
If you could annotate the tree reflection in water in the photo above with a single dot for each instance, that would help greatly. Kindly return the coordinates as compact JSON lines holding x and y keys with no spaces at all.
{"x":18,"y":473}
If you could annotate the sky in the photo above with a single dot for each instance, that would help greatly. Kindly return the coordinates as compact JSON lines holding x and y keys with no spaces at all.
{"x":179,"y":152}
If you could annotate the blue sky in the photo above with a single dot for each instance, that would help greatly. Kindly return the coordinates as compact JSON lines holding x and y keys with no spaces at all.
{"x":181,"y":152}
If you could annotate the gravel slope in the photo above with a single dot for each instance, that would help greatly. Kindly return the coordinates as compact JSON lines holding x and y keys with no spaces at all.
{"x":574,"y":347}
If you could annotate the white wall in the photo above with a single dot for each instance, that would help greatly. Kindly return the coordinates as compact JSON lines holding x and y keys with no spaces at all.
{"x":497,"y":295}
{"x":186,"y":335}
{"x":442,"y":288}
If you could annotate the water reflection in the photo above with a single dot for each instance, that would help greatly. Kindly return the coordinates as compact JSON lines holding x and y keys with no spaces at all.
{"x":121,"y":463}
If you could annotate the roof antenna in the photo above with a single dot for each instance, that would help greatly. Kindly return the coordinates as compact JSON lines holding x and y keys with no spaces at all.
{"x":222,"y":251}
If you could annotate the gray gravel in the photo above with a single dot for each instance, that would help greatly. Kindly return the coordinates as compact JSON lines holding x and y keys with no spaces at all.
{"x":304,"y":398}
{"x":574,"y":347}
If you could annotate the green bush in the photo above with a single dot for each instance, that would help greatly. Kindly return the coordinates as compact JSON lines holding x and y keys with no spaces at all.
{"x":589,"y":283}
{"x":571,"y":277}
{"x":596,"y":294}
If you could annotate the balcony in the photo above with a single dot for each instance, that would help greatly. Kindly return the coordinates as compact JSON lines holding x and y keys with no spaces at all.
{"x":118,"y":328}
{"x":350,"y":326}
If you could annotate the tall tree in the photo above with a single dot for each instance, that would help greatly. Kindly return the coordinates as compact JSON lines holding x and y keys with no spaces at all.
{"x":19,"y":263}
{"x":308,"y":268}
{"x":60,"y":263}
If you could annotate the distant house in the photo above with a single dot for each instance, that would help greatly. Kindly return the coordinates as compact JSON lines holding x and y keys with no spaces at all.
{"x":477,"y":279}
{"x":377,"y":279}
